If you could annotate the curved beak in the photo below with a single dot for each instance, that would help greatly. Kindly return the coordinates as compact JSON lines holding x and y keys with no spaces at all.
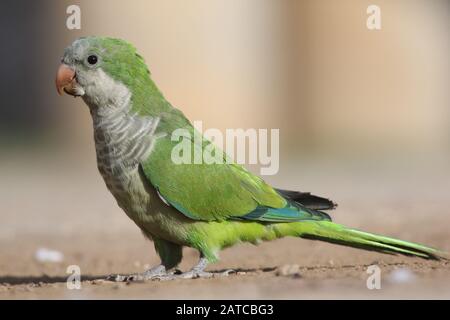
{"x":65,"y":79}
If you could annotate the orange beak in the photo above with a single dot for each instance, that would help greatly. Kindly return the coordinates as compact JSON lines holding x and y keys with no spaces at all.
{"x":65,"y":79}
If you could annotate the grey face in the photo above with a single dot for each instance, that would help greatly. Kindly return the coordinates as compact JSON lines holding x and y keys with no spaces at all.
{"x":83,"y":54}
{"x":81,"y":74}
{"x":83,"y":59}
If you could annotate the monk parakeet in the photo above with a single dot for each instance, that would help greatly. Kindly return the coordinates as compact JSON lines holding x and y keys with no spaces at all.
{"x":204,"y":206}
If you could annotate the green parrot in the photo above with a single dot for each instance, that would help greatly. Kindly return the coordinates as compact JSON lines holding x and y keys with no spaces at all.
{"x":207,"y":207}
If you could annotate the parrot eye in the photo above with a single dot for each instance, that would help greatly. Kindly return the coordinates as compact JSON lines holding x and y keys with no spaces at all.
{"x":92,"y":59}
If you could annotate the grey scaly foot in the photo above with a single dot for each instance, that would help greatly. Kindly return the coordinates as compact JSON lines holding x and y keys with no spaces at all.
{"x":196,"y":272}
{"x":155,"y":272}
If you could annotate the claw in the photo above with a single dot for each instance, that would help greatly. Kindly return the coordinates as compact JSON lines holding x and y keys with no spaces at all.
{"x":226,"y":273}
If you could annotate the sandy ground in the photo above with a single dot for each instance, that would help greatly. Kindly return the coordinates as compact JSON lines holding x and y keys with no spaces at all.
{"x":73,"y":213}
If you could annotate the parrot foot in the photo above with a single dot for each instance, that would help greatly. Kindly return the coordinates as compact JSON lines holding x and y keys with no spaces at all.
{"x":153,"y":273}
{"x":196,"y":272}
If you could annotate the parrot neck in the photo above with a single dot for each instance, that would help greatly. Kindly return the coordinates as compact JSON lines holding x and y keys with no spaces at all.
{"x":122,"y":137}
{"x":117,"y":126}
{"x":106,"y":96}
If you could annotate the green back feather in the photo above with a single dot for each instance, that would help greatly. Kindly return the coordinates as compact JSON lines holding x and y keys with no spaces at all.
{"x":215,"y":191}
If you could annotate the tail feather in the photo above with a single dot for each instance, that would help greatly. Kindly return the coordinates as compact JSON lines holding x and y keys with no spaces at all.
{"x":308,"y":200}
{"x":339,"y":234}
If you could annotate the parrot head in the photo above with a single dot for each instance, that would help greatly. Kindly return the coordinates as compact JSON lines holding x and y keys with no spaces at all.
{"x":103,"y":71}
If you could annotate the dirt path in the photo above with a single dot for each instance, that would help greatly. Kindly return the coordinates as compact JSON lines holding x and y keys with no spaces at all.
{"x":324,"y":271}
{"x":82,"y":221}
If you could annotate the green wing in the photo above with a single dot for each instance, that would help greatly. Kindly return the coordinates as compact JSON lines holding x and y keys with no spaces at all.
{"x":213,"y":191}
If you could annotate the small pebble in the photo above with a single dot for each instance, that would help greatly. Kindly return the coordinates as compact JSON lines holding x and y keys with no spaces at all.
{"x":48,"y":255}
{"x":401,"y":275}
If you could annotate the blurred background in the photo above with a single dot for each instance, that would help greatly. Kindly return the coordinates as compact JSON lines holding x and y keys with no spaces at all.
{"x":364,"y":115}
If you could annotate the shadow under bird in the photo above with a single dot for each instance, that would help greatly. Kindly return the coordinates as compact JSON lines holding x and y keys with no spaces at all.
{"x":207,"y":207}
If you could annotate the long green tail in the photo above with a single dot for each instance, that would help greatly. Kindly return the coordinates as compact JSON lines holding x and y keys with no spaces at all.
{"x":339,"y":234}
